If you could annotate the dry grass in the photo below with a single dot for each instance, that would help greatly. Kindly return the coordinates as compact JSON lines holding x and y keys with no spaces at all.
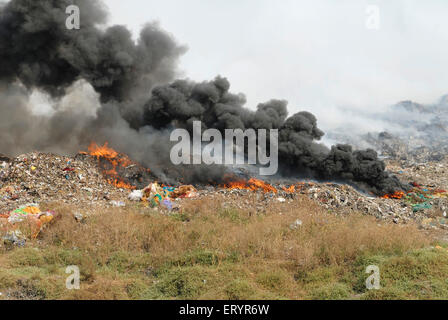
{"x":207,"y":251}
{"x":322,"y":238}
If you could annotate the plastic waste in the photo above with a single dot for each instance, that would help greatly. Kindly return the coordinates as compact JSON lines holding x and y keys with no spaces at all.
{"x":136,"y":195}
{"x":298,"y":223}
{"x":118,"y":204}
{"x":186,"y":191}
{"x":421,"y":206}
{"x":15,"y":238}
{"x":168,"y":204}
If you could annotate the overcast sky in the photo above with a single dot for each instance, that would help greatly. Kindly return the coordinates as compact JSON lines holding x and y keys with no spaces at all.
{"x":316,"y":54}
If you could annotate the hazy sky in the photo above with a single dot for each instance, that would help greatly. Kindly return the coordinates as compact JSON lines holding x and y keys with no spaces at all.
{"x":316,"y":54}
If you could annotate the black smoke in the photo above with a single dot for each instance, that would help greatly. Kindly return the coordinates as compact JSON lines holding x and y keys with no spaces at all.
{"x":37,"y":49}
{"x":133,"y":101}
{"x":183,"y":102}
{"x":95,"y":79}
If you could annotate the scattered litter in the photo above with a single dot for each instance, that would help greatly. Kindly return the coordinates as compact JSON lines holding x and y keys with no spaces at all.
{"x":421,"y":206}
{"x":136,"y":195}
{"x":184,"y":192}
{"x":79,"y":216}
{"x":35,"y":220}
{"x":298,"y":223}
{"x":168,"y":204}
{"x":154,"y":195}
{"x":14,"y":238}
{"x":441,"y":248}
{"x":118,"y":204}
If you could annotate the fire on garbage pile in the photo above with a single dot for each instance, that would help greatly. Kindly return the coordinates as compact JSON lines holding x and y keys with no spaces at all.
{"x":113,"y":165}
{"x":251,"y":184}
{"x":102,"y":177}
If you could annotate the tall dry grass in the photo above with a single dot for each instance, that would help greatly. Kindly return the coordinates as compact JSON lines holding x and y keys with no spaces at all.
{"x":204,"y":224}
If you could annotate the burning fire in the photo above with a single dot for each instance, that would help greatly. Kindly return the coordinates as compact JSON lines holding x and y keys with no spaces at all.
{"x":395,"y":195}
{"x":111,"y":159}
{"x":291,"y":189}
{"x":108,"y":153}
{"x":252,"y":184}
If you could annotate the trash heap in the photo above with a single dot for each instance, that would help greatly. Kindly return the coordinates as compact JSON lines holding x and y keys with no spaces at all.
{"x":25,"y":222}
{"x":155,"y":195}
{"x":429,"y":175}
{"x":421,"y":198}
{"x":39,"y":177}
{"x":418,"y":204}
{"x":117,"y":168}
{"x":336,"y":198}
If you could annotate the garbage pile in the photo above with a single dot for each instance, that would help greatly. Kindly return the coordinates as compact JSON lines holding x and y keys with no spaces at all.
{"x":433,"y":174}
{"x":38,"y":177}
{"x":419,"y":132}
{"x":422,"y":198}
{"x":335,"y":198}
{"x":155,"y":195}
{"x":24,"y":223}
{"x":425,"y":205}
{"x":408,"y":148}
{"x":118,"y":169}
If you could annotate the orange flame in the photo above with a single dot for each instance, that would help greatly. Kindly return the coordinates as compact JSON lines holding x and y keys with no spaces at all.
{"x":291,"y":189}
{"x":252,"y":184}
{"x":120,"y":184}
{"x":114,"y":159}
{"x":108,"y":153}
{"x":395,"y":195}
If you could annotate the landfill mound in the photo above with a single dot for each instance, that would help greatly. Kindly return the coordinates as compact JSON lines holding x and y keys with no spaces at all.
{"x":412,"y":149}
{"x":39,"y":177}
{"x":82,"y":181}
{"x":413,"y":132}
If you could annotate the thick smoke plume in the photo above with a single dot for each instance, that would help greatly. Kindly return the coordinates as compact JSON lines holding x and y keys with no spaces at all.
{"x":183,"y":102}
{"x":133,"y":106}
{"x":39,"y":54}
{"x":37,"y":49}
